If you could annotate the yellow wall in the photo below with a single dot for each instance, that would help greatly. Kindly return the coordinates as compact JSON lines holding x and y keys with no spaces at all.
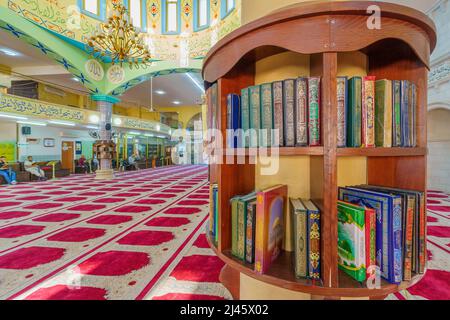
{"x":185,"y":113}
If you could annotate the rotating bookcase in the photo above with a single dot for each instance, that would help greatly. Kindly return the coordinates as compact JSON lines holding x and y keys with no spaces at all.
{"x":328,"y":40}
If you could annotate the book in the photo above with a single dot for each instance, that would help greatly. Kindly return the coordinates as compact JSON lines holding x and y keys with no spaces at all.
{"x":388,"y":228}
{"x":368,"y":112}
{"x":250,"y":232}
{"x":211,"y":208}
{"x":371,"y":251}
{"x":233,"y":120}
{"x":422,"y":233}
{"x":266,"y":115}
{"x":313,"y":225}
{"x":341,"y":112}
{"x":245,"y":118}
{"x":352,"y":240}
{"x":278,"y":121}
{"x":214,"y":106}
{"x":314,"y":111}
{"x":299,"y":215}
{"x":301,"y":112}
{"x":255,"y":115}
{"x":396,"y":114}
{"x":383,"y":113}
{"x":234,"y":225}
{"x":270,"y":209}
{"x":242,"y":223}
{"x":216,"y":214}
{"x":412,"y":116}
{"x":288,"y":112}
{"x":354,"y":112}
{"x":404,"y":112}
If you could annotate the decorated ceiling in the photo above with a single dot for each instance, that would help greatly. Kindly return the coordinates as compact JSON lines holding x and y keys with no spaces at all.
{"x":68,"y":23}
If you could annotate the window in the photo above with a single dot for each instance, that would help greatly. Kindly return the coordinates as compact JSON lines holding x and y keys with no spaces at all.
{"x":137,"y":10}
{"x":93,"y":8}
{"x":226,"y":7}
{"x":201,"y":14}
{"x":171,"y":16}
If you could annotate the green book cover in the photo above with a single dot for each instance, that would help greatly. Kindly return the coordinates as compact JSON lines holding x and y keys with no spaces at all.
{"x":242,"y":224}
{"x":383,"y":113}
{"x":354,"y":112}
{"x":266,"y":115}
{"x":234,"y":225}
{"x":299,"y":233}
{"x":245,"y":117}
{"x":351,"y":240}
{"x":255,"y":114}
{"x":396,"y":114}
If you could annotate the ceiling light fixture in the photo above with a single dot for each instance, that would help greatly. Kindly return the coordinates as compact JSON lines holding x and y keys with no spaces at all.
{"x":117,"y":121}
{"x":134,"y":133}
{"x":177,"y":102}
{"x":160,"y":92}
{"x":42,"y":124}
{"x":12,"y":117}
{"x":9,"y":52}
{"x":94,"y":118}
{"x":195,"y":82}
{"x":70,"y":124}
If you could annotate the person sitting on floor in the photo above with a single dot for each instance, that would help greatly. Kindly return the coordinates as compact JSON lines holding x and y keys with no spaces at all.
{"x":83,"y":164}
{"x":132,"y":161}
{"x":95,"y":163}
{"x":6,"y":172}
{"x":33,"y":168}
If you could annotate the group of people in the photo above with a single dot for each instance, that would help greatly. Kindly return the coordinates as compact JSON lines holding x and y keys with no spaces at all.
{"x":30,"y":166}
{"x":83,"y":163}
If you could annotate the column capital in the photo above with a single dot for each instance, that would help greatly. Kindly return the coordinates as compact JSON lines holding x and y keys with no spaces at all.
{"x":106,"y":98}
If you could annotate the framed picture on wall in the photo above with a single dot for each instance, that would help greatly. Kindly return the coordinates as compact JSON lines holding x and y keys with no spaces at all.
{"x":78,"y":147}
{"x":49,"y":142}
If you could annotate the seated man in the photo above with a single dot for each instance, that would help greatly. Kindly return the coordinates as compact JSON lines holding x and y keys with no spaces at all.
{"x":6,"y":172}
{"x":34,"y":169}
{"x":95,"y":163}
{"x":132,"y":161}
{"x":83,"y":163}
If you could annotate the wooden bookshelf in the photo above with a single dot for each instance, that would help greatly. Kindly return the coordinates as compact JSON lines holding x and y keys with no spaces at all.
{"x":320,"y":33}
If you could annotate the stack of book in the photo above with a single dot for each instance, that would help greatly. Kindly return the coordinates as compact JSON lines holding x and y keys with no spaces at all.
{"x":257,"y":226}
{"x":214,"y":212}
{"x":375,"y":113}
{"x":380,"y":227}
{"x":282,"y":113}
{"x":306,"y":237}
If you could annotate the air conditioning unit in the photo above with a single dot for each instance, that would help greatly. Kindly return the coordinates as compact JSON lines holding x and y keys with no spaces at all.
{"x":54,"y":91}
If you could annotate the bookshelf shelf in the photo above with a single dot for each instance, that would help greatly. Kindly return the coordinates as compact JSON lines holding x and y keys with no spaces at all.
{"x":267,"y":50}
{"x":380,"y":152}
{"x":282,"y":151}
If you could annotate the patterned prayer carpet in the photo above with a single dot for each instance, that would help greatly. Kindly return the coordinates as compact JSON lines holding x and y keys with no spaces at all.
{"x":140,"y":236}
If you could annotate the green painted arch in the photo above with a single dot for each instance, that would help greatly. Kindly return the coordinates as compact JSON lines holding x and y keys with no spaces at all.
{"x":71,"y":58}
{"x":134,"y":77}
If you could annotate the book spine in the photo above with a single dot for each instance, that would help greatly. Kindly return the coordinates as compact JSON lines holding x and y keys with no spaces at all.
{"x":422,"y":235}
{"x":260,"y":234}
{"x":255,"y":115}
{"x":241,"y":228}
{"x":301,"y":112}
{"x":387,"y":140}
{"x":368,"y":112}
{"x":370,"y":241}
{"x":266,"y":115}
{"x":229,"y":121}
{"x":380,"y":114}
{"x":300,"y":236}
{"x":211,"y":210}
{"x":354,"y":113}
{"x":314,"y":244}
{"x":396,"y":264}
{"x":412,"y":117}
{"x":216,"y":216}
{"x":404,"y":113}
{"x":396,"y":114}
{"x":278,"y":111}
{"x":407,"y":263}
{"x":341,"y":112}
{"x":314,"y":111}
{"x":234,"y":228}
{"x":250,"y":233}
{"x":288,"y":107}
{"x":245,"y":118}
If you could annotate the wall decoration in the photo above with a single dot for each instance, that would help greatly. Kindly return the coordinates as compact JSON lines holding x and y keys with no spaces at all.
{"x":78,"y":148}
{"x":116,"y":74}
{"x":49,"y":142}
{"x":33,"y":141}
{"x":94,"y":70}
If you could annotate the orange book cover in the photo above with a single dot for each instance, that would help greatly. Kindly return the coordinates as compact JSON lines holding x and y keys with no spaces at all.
{"x":270,"y":210}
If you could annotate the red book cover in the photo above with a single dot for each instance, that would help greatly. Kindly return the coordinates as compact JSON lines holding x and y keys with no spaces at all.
{"x":422,"y":235}
{"x":407,"y":267}
{"x":368,"y":112}
{"x":270,"y":211}
{"x":370,"y":230}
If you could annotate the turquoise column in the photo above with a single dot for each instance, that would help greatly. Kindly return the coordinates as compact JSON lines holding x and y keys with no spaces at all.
{"x":105,"y":107}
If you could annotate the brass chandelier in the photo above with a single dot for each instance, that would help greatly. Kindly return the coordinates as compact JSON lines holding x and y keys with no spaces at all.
{"x":118,"y":40}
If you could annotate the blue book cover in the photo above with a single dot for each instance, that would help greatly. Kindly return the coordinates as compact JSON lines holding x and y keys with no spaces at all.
{"x":388,"y":228}
{"x":233,"y":120}
{"x":216,"y":214}
{"x":404,"y":114}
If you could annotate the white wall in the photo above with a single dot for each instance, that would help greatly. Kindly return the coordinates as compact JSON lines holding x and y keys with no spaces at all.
{"x":41,"y":153}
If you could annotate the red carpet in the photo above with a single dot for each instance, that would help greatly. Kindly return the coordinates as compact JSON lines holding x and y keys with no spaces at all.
{"x":140,"y":236}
